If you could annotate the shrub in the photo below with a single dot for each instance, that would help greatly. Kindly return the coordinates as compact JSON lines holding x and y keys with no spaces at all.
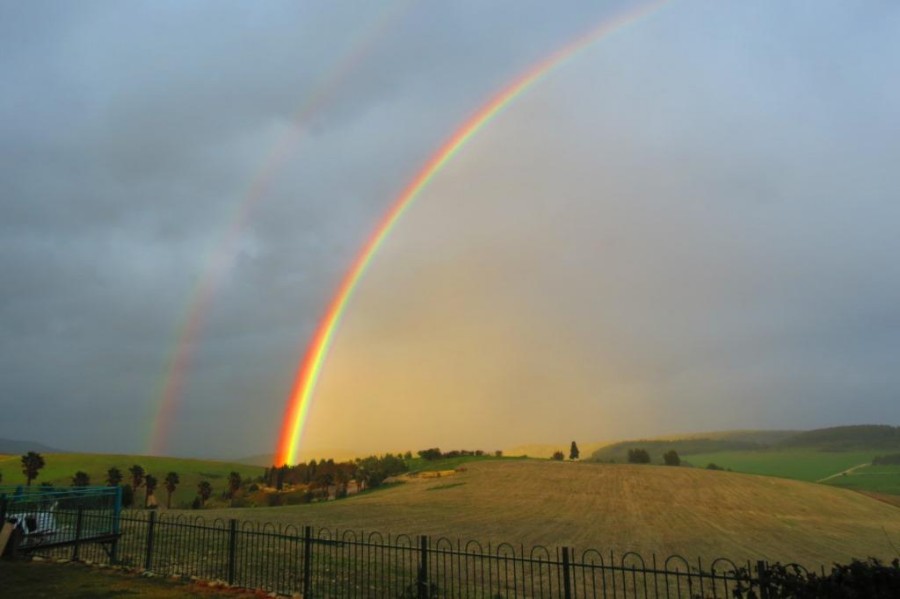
{"x":671,"y":458}
{"x":558,"y":456}
{"x":871,"y":579}
{"x":713,"y":466}
{"x":638,"y":456}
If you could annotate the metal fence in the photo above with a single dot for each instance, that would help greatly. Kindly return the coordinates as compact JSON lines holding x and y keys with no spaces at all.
{"x":321,"y":563}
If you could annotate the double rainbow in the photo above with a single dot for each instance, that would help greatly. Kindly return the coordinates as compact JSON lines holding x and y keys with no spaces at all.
{"x":222,"y":255}
{"x":310,"y":369}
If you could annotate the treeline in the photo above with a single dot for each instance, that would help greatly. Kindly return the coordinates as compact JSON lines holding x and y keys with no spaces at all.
{"x":367,"y":473}
{"x":434,"y":453}
{"x":892,"y":459}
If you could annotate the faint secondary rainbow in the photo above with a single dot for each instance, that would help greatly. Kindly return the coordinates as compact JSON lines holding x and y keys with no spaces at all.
{"x":311,"y":367}
{"x":222,"y":254}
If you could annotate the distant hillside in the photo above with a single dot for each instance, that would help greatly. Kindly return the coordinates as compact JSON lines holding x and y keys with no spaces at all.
{"x":13,"y":447}
{"x":546,"y":450}
{"x":846,"y":438}
{"x":686,"y":445}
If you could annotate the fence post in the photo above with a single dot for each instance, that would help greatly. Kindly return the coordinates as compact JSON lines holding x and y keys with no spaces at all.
{"x":3,"y":507}
{"x":567,"y":579}
{"x":307,"y":561}
{"x":117,"y":526}
{"x":232,"y":548}
{"x":79,"y":519}
{"x":422,"y":579}
{"x":151,"y":524}
{"x":762,"y":573}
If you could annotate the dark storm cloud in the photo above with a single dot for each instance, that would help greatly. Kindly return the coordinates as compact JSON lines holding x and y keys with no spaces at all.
{"x":130,"y":134}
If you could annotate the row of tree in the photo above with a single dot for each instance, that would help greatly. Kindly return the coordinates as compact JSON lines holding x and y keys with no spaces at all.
{"x":369,"y":472}
{"x":33,"y":463}
{"x":574,"y":453}
{"x":642,"y":456}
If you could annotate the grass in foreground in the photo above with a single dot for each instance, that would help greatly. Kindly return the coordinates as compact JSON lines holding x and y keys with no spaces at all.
{"x":77,"y":581}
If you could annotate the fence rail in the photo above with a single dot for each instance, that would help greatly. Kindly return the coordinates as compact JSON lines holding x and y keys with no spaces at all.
{"x":320,"y":563}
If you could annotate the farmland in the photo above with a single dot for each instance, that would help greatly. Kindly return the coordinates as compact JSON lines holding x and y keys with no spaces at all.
{"x":618,"y":507}
{"x":797,"y":464}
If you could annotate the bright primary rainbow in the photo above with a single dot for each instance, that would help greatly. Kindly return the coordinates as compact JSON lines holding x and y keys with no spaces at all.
{"x":311,"y":367}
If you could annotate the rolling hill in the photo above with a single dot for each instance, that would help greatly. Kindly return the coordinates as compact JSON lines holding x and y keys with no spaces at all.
{"x":693,"y":443}
{"x":618,"y":507}
{"x":16,"y":447}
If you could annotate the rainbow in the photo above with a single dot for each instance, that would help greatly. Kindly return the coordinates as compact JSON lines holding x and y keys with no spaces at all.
{"x":177,"y":363}
{"x":311,"y":367}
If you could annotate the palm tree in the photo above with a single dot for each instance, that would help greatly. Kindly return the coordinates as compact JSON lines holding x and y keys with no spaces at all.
{"x":113,"y":477}
{"x":81,"y":479}
{"x":137,"y":476}
{"x":32,"y":462}
{"x":204,"y":489}
{"x":171,"y":482}
{"x":150,"y":483}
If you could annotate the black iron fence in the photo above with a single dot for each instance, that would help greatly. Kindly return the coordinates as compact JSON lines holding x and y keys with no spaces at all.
{"x":319,"y":563}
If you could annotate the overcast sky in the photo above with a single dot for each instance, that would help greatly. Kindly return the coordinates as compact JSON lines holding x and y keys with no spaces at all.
{"x":691,"y":225}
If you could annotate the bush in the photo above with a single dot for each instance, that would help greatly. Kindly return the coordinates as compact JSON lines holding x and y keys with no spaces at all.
{"x":433,"y":453}
{"x":558,"y":456}
{"x":713,"y":466}
{"x":671,"y":458}
{"x":196,"y":504}
{"x":871,"y":579}
{"x":892,"y":459}
{"x":638,"y":456}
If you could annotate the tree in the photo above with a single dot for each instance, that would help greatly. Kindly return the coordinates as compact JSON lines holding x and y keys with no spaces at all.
{"x":573,"y":451}
{"x":81,"y":479}
{"x":171,"y":482}
{"x":432,"y":453}
{"x":671,"y":458}
{"x":204,"y":490}
{"x":137,"y":477}
{"x":150,"y":483}
{"x":113,"y":477}
{"x":32,"y":463}
{"x":558,"y":455}
{"x":638,"y":456}
{"x":234,"y":485}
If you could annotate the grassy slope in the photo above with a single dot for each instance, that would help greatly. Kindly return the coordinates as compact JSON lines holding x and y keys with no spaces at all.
{"x":620,"y":507}
{"x":60,"y":468}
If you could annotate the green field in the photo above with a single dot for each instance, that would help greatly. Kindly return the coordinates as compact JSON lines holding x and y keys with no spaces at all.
{"x":800,"y":464}
{"x":877,"y":479}
{"x":61,"y":467}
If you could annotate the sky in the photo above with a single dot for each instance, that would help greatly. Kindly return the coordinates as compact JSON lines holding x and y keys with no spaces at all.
{"x":690,"y":225}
